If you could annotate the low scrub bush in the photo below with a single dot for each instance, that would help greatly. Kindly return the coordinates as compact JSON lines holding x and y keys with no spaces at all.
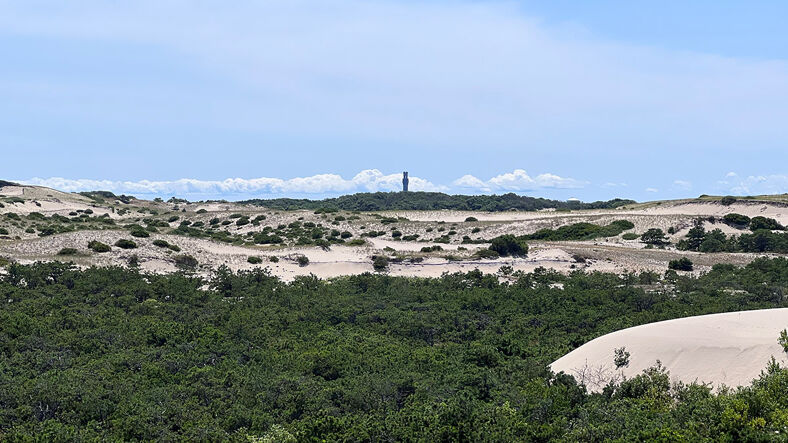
{"x":165,"y":244}
{"x":581,"y":231}
{"x":486,"y":253}
{"x":760,"y":222}
{"x":125,"y":244}
{"x":682,"y":264}
{"x":97,"y":246}
{"x":736,"y":220}
{"x":185,"y":262}
{"x":506,"y":245}
{"x":140,"y":233}
{"x":302,"y":260}
{"x":380,"y":263}
{"x":728,"y":200}
{"x":67,"y":251}
{"x":654,"y":237}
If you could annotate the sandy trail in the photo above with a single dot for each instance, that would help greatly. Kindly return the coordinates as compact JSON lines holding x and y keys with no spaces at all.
{"x":722,"y":349}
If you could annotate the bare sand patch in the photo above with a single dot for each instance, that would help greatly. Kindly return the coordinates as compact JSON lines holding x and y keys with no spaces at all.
{"x":722,"y":349}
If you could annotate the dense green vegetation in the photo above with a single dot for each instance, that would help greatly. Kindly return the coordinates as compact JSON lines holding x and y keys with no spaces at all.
{"x":43,"y":225}
{"x":508,"y":244}
{"x":112,"y":354}
{"x":581,"y":231}
{"x":681,"y":264}
{"x":761,"y":240}
{"x":379,"y":201}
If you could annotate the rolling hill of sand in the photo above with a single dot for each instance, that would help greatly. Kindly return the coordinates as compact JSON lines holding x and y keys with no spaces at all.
{"x":722,"y":349}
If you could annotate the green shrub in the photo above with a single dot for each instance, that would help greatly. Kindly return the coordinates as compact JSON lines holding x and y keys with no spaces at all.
{"x":653,"y":236}
{"x":46,"y":231}
{"x":475,"y":230}
{"x":508,"y":244}
{"x":140,"y":233}
{"x":380,"y":263}
{"x":254,"y":260}
{"x":185,"y":262}
{"x":760,"y":222}
{"x":202,"y":211}
{"x":67,"y":251}
{"x":345,"y":234}
{"x":97,"y":246}
{"x":302,"y":260}
{"x":3,"y":231}
{"x":356,"y":242}
{"x":165,"y":244}
{"x":471,"y":219}
{"x":728,"y":200}
{"x":486,"y":253}
{"x":630,"y":236}
{"x":581,"y":231}
{"x":396,"y":234}
{"x":783,"y":340}
{"x":273,"y":259}
{"x":173,"y":218}
{"x":125,"y":244}
{"x":682,"y":264}
{"x":736,"y":220}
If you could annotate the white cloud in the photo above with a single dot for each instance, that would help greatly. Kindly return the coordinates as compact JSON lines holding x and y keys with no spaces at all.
{"x":652,"y":190}
{"x":517,"y":181}
{"x":371,"y":180}
{"x":757,"y":184}
{"x":471,"y":182}
{"x":683,"y":184}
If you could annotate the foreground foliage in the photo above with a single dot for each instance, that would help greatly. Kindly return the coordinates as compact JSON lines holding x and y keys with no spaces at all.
{"x":110,"y":353}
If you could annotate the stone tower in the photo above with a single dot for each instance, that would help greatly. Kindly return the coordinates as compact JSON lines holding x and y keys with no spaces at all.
{"x":405,"y":182}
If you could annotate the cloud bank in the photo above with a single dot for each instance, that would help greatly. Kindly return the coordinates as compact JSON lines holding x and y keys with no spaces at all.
{"x":370,"y":180}
{"x":754,"y":184}
{"x":517,"y":181}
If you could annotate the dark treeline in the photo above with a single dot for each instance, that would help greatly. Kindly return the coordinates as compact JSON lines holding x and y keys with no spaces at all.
{"x":112,"y":354}
{"x":380,"y":201}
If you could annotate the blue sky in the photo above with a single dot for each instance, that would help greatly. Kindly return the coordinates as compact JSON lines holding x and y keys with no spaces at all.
{"x":562,"y":99}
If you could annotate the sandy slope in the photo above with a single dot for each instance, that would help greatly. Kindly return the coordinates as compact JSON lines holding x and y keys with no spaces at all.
{"x":729,"y":349}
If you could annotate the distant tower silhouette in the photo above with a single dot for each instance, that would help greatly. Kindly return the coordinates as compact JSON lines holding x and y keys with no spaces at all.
{"x":405,"y":182}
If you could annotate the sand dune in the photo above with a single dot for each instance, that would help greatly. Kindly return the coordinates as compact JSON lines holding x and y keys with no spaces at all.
{"x":729,"y":349}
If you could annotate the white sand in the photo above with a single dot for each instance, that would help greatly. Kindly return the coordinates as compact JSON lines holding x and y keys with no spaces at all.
{"x":729,"y":349}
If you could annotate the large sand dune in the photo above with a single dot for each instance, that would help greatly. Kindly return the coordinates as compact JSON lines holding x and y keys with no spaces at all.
{"x":21,"y":238}
{"x":729,"y":349}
